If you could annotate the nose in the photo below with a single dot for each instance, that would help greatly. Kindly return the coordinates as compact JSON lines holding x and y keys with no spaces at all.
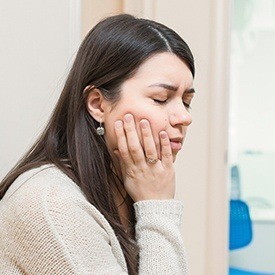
{"x":180,"y":116}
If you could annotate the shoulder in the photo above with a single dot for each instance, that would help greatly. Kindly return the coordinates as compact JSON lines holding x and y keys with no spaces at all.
{"x":43,"y":184}
{"x":39,"y":180}
{"x":46,"y":193}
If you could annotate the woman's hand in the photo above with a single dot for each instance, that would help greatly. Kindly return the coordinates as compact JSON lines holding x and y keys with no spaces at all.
{"x":144,"y":180}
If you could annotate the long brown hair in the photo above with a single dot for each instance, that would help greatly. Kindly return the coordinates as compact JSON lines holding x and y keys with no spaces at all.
{"x":110,"y":54}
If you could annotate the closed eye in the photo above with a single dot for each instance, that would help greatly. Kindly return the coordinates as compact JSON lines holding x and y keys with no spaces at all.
{"x":160,"y":101}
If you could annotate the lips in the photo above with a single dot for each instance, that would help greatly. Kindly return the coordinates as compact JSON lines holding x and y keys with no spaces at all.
{"x":176,"y":143}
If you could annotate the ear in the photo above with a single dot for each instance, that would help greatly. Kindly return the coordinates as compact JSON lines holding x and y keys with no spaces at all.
{"x":95,"y":103}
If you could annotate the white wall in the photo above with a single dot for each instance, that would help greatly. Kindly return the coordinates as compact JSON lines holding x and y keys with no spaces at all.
{"x":252,"y":130}
{"x":38,"y":40}
{"x":252,"y":110}
{"x":253,"y":82}
{"x":94,"y":10}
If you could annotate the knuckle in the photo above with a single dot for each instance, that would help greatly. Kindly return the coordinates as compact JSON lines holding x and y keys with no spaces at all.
{"x":146,"y":133}
{"x":149,"y":153}
{"x":128,"y":127}
{"x":134,"y":149}
{"x":123,"y":153}
{"x":166,"y":142}
{"x":167,"y":155}
{"x":130,"y":173}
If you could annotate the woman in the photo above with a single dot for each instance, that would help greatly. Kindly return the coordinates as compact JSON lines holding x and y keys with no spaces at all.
{"x":95,"y":193}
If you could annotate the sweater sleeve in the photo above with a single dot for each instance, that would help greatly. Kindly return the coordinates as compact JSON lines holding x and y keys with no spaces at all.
{"x":158,"y":236}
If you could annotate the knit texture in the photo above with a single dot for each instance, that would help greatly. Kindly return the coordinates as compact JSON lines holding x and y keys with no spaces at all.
{"x":48,"y":227}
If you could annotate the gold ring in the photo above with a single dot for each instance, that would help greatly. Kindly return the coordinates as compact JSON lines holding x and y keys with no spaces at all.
{"x":151,"y":161}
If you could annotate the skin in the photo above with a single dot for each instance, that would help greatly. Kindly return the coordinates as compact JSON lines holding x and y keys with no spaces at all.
{"x":135,"y":126}
{"x":172,"y":117}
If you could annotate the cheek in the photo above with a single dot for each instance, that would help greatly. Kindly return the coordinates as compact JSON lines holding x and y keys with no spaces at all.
{"x":157,"y":124}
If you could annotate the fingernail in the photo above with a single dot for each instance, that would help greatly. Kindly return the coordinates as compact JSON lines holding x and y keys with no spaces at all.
{"x":163,"y":135}
{"x":118,"y":124}
{"x":128,"y":118}
{"x":144,"y":124}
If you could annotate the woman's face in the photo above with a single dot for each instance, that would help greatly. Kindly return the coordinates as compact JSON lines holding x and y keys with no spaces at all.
{"x":159,"y":92}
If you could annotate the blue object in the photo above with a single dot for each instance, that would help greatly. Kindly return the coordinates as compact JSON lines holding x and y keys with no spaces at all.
{"x":235,"y":271}
{"x":240,"y":233}
{"x":240,"y":227}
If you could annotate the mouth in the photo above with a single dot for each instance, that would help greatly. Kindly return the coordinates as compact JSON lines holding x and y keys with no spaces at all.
{"x":176,"y":143}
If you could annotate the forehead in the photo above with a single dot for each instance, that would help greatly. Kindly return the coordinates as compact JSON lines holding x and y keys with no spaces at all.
{"x":164,"y":67}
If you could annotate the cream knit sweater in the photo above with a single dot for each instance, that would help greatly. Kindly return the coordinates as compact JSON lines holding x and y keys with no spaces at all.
{"x":48,"y":227}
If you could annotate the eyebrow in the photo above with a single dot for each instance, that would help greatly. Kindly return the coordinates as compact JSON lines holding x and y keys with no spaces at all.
{"x":171,"y":88}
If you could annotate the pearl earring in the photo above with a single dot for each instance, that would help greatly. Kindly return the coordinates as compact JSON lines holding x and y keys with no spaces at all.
{"x":100,"y":130}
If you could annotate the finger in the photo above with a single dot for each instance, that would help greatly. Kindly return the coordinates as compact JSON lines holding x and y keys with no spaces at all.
{"x":148,"y":140}
{"x":166,"y":151}
{"x":122,"y":143}
{"x":133,"y":142}
{"x":122,"y":164}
